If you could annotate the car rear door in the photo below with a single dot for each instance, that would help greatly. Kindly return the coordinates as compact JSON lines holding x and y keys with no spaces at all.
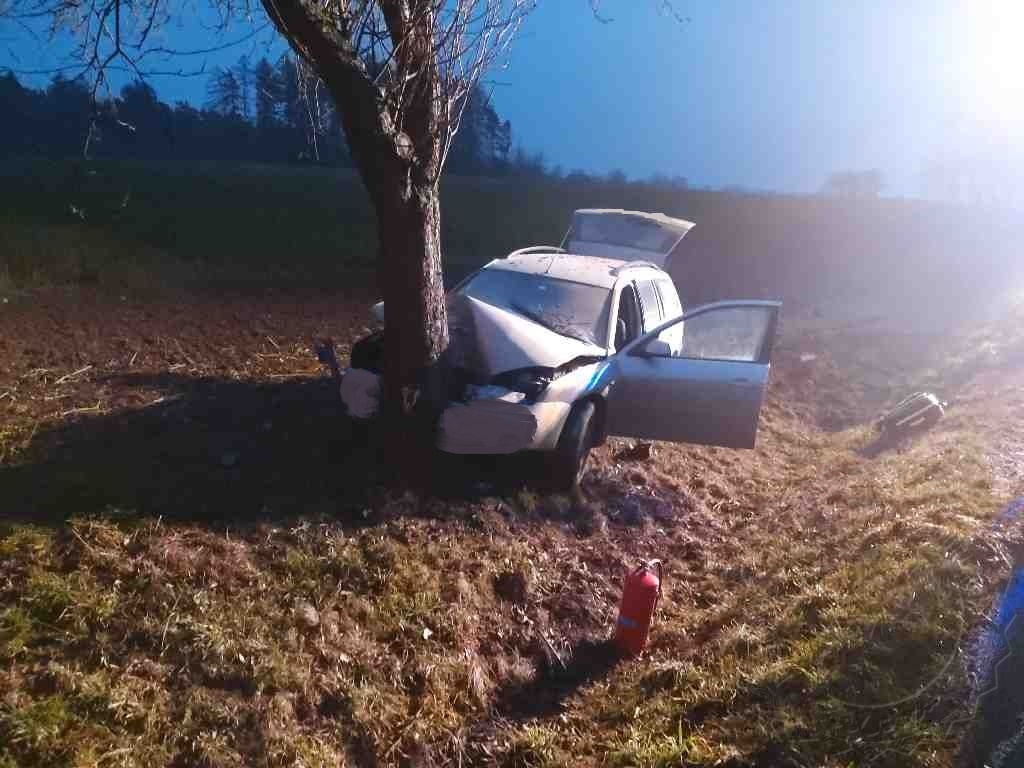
{"x":708,"y":392}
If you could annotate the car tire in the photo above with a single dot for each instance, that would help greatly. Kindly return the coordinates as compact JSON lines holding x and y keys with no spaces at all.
{"x":567,"y":464}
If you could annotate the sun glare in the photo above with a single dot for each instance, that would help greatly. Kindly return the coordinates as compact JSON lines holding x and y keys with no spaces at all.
{"x":995,"y":60}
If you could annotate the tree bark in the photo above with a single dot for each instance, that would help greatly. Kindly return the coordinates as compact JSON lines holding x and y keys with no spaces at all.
{"x":397,"y":149}
{"x":416,"y":331}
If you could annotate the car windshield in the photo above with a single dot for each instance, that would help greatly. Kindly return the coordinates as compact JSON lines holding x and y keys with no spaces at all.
{"x":567,"y":308}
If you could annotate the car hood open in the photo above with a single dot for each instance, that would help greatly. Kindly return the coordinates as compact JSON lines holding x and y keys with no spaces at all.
{"x":492,"y":340}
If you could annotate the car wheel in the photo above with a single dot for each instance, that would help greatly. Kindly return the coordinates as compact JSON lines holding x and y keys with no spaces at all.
{"x":568,"y":463}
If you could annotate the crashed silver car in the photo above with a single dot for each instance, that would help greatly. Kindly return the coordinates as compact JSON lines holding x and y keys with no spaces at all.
{"x":560,"y":351}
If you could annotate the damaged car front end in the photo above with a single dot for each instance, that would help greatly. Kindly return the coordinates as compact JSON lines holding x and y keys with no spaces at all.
{"x":551,"y":352}
{"x":523,"y":348}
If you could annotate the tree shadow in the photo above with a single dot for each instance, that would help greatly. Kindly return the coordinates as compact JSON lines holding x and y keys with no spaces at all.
{"x":543,"y":695}
{"x":222,"y":451}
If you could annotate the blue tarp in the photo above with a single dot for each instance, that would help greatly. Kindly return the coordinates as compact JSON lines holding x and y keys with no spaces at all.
{"x":1012,"y":602}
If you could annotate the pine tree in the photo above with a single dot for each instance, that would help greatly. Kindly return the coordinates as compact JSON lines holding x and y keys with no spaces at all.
{"x":267,"y":94}
{"x":243,"y":74}
{"x":224,"y":94}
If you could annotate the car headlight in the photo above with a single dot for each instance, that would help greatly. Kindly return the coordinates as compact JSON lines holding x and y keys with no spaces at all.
{"x":530,"y":381}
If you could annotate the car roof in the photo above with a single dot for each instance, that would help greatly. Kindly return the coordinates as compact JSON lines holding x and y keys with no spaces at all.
{"x":588,"y":270}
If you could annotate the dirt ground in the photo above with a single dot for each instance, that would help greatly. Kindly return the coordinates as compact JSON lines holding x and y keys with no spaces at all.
{"x":216,"y":388}
{"x":214,"y":413}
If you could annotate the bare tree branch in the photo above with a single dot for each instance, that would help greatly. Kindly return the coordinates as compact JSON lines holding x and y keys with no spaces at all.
{"x":175,"y":52}
{"x":595,"y":8}
{"x":668,"y":7}
{"x":82,"y":72}
{"x":116,"y":35}
{"x":410,"y":63}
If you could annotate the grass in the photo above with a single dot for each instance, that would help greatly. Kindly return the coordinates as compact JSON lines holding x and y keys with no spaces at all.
{"x":816,"y":645}
{"x":112,"y":223}
{"x":77,"y":222}
{"x":140,"y":641}
{"x":68,"y":222}
{"x":299,"y":607}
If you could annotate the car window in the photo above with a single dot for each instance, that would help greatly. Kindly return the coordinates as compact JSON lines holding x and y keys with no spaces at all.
{"x":726,"y":333}
{"x":571,"y":309}
{"x":671,"y":308}
{"x":627,"y":318}
{"x":649,"y":303}
{"x":625,"y":230}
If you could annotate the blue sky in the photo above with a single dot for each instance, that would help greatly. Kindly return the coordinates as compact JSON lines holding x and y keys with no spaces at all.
{"x":763,"y":94}
{"x":759,"y":93}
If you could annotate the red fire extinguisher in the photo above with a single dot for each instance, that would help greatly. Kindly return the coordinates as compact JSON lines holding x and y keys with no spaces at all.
{"x":640,"y":594}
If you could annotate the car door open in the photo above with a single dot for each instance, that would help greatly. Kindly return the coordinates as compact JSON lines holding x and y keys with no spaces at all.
{"x":708,"y":389}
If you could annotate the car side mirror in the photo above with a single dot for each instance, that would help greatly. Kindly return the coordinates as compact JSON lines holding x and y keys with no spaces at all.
{"x":377,"y":312}
{"x":657,"y":348}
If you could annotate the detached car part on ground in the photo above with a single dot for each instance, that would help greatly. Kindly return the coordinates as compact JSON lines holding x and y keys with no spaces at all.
{"x":920,"y":410}
{"x":554,"y":352}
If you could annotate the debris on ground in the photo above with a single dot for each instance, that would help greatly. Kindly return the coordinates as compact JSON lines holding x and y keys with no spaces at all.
{"x":919,"y":410}
{"x":631,"y":512}
{"x":306,"y":616}
{"x":511,"y":586}
{"x":588,"y":520}
{"x":638,"y":451}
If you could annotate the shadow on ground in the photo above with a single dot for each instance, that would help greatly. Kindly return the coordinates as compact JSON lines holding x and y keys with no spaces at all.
{"x":892,"y":440}
{"x":225,"y":451}
{"x":557,"y":680}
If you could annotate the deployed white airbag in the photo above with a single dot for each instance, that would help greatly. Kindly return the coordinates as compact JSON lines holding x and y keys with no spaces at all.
{"x":360,"y":391}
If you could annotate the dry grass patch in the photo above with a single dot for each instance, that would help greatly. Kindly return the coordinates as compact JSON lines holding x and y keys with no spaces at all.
{"x":820,"y":626}
{"x":299,"y":611}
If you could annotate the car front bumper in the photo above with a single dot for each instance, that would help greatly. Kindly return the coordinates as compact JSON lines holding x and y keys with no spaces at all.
{"x":486,"y":425}
{"x":491,"y":426}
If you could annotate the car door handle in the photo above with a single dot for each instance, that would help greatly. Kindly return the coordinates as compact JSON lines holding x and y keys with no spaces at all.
{"x":741,"y":380}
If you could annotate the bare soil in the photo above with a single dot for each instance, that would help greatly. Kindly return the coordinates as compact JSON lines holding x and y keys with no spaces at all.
{"x":195,"y":441}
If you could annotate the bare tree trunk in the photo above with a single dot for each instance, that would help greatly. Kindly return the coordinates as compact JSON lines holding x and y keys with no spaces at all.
{"x":397,"y":138}
{"x":416,"y":332}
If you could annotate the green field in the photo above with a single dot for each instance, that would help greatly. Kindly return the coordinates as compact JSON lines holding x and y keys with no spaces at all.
{"x":220,"y":226}
{"x":255,"y":223}
{"x":264,"y":223}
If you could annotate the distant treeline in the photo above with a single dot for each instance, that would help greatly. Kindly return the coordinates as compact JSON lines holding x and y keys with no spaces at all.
{"x":262,"y":112}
